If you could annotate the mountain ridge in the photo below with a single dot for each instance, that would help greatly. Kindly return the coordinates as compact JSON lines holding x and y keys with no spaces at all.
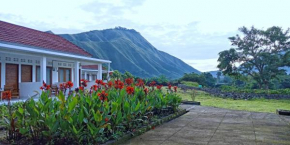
{"x":130,"y":51}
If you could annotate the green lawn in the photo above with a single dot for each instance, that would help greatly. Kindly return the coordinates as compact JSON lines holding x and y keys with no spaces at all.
{"x":256,"y":105}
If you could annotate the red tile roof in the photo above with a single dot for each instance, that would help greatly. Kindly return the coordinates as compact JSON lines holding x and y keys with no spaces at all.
{"x":12,"y":33}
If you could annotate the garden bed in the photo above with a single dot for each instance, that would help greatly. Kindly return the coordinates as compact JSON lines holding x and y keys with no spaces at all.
{"x":105,"y":113}
{"x":190,"y":102}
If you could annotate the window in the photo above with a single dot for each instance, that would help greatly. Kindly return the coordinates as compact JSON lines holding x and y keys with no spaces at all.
{"x":64,"y":74}
{"x":88,"y":77}
{"x":48,"y":75}
{"x":94,"y":77}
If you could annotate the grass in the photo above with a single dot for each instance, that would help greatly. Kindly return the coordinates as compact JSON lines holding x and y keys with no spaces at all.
{"x":255,"y":105}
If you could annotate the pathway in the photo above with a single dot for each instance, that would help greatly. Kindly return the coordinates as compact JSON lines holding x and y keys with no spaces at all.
{"x":215,"y":126}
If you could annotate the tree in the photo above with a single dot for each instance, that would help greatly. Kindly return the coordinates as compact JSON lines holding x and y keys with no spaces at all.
{"x":258,"y":53}
{"x":207,"y":79}
{"x":218,"y":76}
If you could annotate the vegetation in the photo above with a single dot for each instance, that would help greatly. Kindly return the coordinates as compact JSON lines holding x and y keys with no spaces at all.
{"x":259,"y":54}
{"x":205,"y":79}
{"x":255,"y":105}
{"x":104,"y":112}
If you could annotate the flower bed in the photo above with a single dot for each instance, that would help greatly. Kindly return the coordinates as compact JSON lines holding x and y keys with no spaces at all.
{"x":105,"y":112}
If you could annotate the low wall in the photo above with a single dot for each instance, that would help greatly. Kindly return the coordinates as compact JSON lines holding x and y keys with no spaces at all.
{"x":27,"y":89}
{"x":234,"y":95}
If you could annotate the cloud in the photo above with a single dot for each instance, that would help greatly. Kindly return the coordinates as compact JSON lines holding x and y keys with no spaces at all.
{"x":203,"y":65}
{"x":184,"y":40}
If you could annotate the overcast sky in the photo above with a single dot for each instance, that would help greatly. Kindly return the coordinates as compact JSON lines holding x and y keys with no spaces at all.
{"x":192,"y":30}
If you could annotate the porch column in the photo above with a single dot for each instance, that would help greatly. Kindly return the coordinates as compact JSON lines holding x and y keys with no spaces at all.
{"x":54,"y":72}
{"x":3,"y":71}
{"x":33,"y":73}
{"x":19,"y":73}
{"x":90,"y":77}
{"x":76,"y":74}
{"x":108,"y":73}
{"x":43,"y":69}
{"x":86,"y":76}
{"x":99,"y":76}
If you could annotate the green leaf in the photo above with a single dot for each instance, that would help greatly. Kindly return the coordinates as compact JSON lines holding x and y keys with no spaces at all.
{"x":23,"y":130}
{"x":98,"y":116}
{"x":75,"y":130}
{"x":127,"y":108}
{"x":72,"y":104}
{"x":81,"y":116}
{"x":7,"y":120}
{"x":86,"y":111}
{"x":137,"y":107}
{"x":20,"y":110}
{"x":114,"y":107}
{"x":61,"y":97}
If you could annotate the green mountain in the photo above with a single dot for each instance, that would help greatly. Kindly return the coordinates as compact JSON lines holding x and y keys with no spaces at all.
{"x":130,"y":51}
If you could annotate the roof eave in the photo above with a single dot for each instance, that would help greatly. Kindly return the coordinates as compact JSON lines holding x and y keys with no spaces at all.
{"x":46,"y":52}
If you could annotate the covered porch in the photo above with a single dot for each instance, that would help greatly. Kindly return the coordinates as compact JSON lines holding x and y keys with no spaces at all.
{"x":23,"y":71}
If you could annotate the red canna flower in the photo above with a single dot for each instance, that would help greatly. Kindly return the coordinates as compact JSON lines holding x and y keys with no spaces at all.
{"x":140,"y":83}
{"x":159,"y":87}
{"x":6,"y":95}
{"x":84,"y":82}
{"x":146,"y":91}
{"x":175,"y":89}
{"x":81,"y":88}
{"x":44,"y":86}
{"x":110,"y":84}
{"x":111,"y":73}
{"x":119,"y":84}
{"x":106,"y":119}
{"x":99,"y":81}
{"x":130,"y":90}
{"x":69,"y":84}
{"x":152,"y":84}
{"x":129,"y":81}
{"x":94,"y":87}
{"x":169,"y":86}
{"x":103,"y":96}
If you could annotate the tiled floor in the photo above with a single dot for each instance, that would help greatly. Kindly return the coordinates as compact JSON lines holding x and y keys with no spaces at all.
{"x":215,"y":126}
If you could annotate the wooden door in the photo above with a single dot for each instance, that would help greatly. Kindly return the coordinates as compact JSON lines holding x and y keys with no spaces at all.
{"x":12,"y":76}
{"x":26,"y":73}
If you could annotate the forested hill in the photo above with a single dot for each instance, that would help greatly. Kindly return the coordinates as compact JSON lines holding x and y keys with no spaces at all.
{"x":130,"y":51}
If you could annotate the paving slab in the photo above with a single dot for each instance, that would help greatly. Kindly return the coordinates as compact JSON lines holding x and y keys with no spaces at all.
{"x":216,"y":126}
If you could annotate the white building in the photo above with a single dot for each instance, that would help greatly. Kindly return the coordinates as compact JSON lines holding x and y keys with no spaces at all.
{"x":28,"y":56}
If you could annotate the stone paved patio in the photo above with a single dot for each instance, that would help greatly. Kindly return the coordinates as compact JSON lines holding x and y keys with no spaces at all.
{"x":215,"y":126}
